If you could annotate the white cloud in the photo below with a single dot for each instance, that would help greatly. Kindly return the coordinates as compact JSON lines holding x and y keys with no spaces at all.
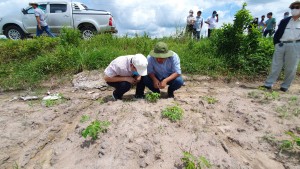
{"x":163,"y":17}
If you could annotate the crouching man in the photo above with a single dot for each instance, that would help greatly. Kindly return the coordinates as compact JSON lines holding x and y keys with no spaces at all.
{"x":163,"y":69}
{"x":125,"y":71}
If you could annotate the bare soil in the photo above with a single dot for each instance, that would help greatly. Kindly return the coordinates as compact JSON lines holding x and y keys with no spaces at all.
{"x":241,"y":130}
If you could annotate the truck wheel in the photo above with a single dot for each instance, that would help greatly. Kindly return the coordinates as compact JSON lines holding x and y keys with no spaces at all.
{"x":87,"y":32}
{"x":14,"y":32}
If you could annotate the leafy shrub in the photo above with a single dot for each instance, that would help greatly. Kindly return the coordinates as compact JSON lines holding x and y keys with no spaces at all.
{"x":95,"y":128}
{"x":173,"y":113}
{"x":242,"y":46}
{"x":70,"y":37}
{"x":192,"y":162}
{"x":152,"y":97}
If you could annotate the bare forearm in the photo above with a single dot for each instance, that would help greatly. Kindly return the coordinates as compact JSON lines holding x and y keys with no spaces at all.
{"x":172,"y":77}
{"x":115,"y":79}
{"x":152,"y":76}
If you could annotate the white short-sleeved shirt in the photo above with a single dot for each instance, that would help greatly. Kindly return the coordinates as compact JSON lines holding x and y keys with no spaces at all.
{"x":292,"y":31}
{"x":119,"y":67}
{"x":212,"y":22}
{"x":41,"y":14}
{"x":190,"y":20}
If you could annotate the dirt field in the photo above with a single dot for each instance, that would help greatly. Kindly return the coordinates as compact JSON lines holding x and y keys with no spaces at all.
{"x":240,"y":129}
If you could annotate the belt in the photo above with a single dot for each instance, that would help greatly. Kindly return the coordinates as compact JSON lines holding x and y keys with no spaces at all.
{"x":292,"y":41}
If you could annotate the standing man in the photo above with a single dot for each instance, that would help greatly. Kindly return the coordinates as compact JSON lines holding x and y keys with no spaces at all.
{"x":125,"y":71}
{"x":163,"y":69}
{"x":287,"y":53}
{"x":212,"y":22}
{"x":286,"y":14}
{"x":41,"y":22}
{"x":190,"y":20}
{"x":270,"y":25}
{"x":198,"y":25}
{"x":262,"y":24}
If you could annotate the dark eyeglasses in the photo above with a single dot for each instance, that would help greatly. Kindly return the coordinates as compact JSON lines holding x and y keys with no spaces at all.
{"x":295,"y":7}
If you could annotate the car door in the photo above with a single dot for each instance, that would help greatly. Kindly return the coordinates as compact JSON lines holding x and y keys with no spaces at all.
{"x":29,"y":20}
{"x":59,"y":17}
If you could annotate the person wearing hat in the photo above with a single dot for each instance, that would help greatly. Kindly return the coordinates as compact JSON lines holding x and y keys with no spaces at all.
{"x":163,"y":69}
{"x":190,"y":20}
{"x":125,"y":71}
{"x":270,"y":25}
{"x":212,"y":22}
{"x":287,"y":53}
{"x":41,"y":20}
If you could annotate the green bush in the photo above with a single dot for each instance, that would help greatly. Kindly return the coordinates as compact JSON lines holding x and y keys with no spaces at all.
{"x":244,"y":49}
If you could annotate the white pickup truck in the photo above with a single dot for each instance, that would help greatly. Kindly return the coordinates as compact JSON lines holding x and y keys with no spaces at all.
{"x":58,"y":15}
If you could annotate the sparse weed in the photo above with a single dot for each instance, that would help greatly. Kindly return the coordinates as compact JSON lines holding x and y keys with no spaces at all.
{"x":173,"y":113}
{"x":192,"y":162}
{"x":95,"y":128}
{"x":152,"y":97}
{"x":16,"y":166}
{"x":283,"y":112}
{"x":293,"y":99}
{"x":293,"y":143}
{"x":254,"y":95}
{"x":270,"y":139}
{"x":210,"y":100}
{"x":271,"y":96}
{"x":84,"y":118}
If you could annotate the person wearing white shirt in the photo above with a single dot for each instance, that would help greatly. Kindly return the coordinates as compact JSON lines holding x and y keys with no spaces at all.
{"x":212,"y":22}
{"x":198,"y":25}
{"x":287,"y":53}
{"x":190,"y":20}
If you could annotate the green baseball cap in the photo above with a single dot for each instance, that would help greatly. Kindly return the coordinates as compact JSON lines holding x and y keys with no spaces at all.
{"x":161,"y":51}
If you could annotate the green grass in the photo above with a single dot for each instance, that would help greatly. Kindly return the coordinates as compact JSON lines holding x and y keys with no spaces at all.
{"x":152,"y":97}
{"x":95,"y":128}
{"x":26,"y":63}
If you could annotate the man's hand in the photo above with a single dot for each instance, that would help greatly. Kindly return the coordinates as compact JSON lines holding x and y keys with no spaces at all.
{"x":163,"y":84}
{"x":40,"y":28}
{"x":156,"y":84}
{"x":138,"y":78}
{"x":131,"y":80}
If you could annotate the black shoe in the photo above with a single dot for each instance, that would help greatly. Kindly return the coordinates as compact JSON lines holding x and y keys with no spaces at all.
{"x":266,"y":87}
{"x":283,"y":89}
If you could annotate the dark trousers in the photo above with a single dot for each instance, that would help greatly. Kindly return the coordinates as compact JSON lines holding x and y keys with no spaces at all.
{"x":209,"y":32}
{"x":120,"y":88}
{"x":266,"y":32}
{"x":147,"y":81}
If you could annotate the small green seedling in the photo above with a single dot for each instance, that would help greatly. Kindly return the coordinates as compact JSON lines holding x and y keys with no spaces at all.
{"x":84,"y":118}
{"x":95,"y":128}
{"x":192,"y":162}
{"x":152,"y":97}
{"x":293,"y":99}
{"x":291,"y":144}
{"x":173,"y":113}
{"x":210,"y":100}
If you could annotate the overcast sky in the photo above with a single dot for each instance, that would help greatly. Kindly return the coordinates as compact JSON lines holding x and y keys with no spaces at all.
{"x":163,"y":17}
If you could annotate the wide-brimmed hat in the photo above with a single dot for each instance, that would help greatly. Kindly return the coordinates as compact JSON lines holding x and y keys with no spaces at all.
{"x":33,"y":3}
{"x":296,"y":2}
{"x":161,"y":51}
{"x":140,"y":62}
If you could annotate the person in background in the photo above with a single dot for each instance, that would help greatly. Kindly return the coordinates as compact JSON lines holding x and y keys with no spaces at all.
{"x":287,"y":53}
{"x":261,"y":24}
{"x":163,"y":69}
{"x":212,"y":22}
{"x":41,"y":21}
{"x":190,"y":20}
{"x":198,"y":25}
{"x":125,"y":71}
{"x":253,"y":24}
{"x":286,"y":14}
{"x":270,"y":25}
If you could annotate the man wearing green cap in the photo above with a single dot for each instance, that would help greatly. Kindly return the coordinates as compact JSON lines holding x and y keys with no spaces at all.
{"x":163,"y":69}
